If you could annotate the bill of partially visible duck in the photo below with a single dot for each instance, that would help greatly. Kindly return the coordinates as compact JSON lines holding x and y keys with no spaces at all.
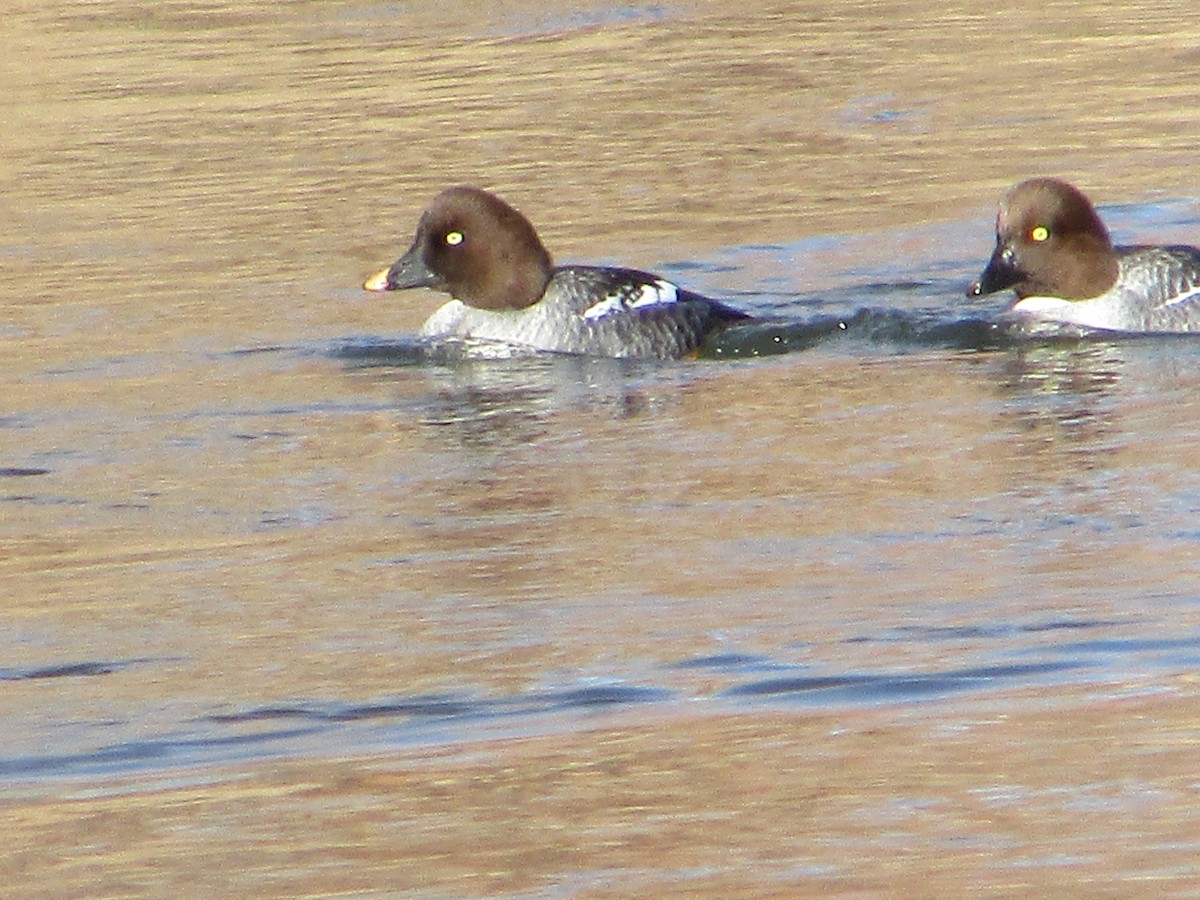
{"x":1053,"y":250}
{"x":509,"y":296}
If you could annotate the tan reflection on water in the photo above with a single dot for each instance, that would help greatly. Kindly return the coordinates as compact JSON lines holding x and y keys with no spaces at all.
{"x":187,"y":179}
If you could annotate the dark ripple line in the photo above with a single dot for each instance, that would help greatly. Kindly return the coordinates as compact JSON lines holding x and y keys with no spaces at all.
{"x":886,"y":686}
{"x":316,"y":718}
{"x":126,"y":755}
{"x":722,"y":661}
{"x":432,"y":707}
{"x":443,"y":707}
{"x":87,"y":669}
{"x":958,"y":632}
{"x":1130,"y":645}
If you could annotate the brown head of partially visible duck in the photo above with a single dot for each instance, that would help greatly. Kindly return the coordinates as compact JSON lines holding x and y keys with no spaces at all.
{"x":1050,"y":242}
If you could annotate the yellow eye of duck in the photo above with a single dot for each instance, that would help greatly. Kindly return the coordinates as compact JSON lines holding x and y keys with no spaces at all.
{"x":1040,"y":233}
{"x":454,"y":238}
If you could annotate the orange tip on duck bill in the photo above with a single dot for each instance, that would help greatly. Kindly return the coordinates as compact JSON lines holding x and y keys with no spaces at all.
{"x":378,"y":281}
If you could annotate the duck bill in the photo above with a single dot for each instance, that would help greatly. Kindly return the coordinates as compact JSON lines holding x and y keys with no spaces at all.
{"x":999,"y":274}
{"x":406,"y":272}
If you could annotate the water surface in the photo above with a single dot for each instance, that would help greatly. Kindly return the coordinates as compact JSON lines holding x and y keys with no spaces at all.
{"x":292,"y":611}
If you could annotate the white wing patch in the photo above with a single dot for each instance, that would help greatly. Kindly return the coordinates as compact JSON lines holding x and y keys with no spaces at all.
{"x":655,"y":292}
{"x":649,"y":294}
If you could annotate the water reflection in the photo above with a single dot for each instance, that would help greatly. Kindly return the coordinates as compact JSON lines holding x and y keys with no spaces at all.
{"x":1075,"y":407}
{"x":1075,"y":369}
{"x":1060,"y":402}
{"x":495,"y":404}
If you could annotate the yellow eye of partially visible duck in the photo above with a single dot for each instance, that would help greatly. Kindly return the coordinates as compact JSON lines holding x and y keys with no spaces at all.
{"x":454,"y":238}
{"x":1040,"y":233}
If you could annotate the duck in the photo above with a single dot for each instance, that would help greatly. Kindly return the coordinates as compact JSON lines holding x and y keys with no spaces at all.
{"x":508,"y":297}
{"x":1053,"y":250}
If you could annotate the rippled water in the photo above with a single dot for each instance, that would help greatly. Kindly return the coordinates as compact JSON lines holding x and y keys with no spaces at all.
{"x":878,"y":517}
{"x":246,"y":527}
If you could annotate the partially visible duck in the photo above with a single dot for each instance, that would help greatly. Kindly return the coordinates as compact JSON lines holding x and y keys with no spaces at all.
{"x":1055,"y":253}
{"x":508,"y":294}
